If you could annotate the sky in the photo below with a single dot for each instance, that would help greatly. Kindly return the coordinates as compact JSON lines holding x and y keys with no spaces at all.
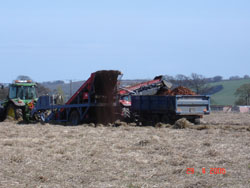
{"x":69,"y":39}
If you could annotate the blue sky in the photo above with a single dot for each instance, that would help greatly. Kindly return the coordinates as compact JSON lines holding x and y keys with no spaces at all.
{"x":60,"y":40}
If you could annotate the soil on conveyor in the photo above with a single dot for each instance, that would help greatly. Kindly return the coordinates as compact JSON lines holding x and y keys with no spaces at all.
{"x":105,"y":90}
{"x":105,"y":84}
{"x":177,"y":91}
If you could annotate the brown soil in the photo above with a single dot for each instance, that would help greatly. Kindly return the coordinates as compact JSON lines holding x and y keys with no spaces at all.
{"x":105,"y":88}
{"x":87,"y":156}
{"x":105,"y":84}
{"x":177,"y":91}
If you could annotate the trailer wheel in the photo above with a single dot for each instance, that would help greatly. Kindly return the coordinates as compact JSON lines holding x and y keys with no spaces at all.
{"x":74,"y":118}
{"x":197,"y":121}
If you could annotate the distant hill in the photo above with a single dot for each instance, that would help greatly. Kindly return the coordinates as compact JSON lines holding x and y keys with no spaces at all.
{"x":222,"y":93}
{"x":53,"y":86}
{"x":226,"y":96}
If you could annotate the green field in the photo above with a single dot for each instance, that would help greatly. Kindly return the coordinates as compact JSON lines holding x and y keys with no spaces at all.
{"x":226,"y":95}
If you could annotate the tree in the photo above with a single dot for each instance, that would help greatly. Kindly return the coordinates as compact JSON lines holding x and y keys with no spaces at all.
{"x":169,"y":78}
{"x":197,"y":82}
{"x":209,"y":80}
{"x":182,"y":80}
{"x":234,"y":78}
{"x":41,"y":90}
{"x":243,"y":94}
{"x":217,"y":78}
{"x":240,"y":101}
{"x":246,"y":76}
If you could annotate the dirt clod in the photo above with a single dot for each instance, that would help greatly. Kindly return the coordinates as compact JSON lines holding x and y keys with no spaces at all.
{"x":182,"y":123}
{"x":162,"y":125}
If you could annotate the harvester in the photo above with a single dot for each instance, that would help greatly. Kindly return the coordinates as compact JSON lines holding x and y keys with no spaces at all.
{"x":94,"y":102}
{"x":99,"y":101}
{"x":20,"y":100}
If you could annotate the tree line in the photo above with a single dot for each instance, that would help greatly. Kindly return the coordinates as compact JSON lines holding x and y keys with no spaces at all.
{"x":197,"y":82}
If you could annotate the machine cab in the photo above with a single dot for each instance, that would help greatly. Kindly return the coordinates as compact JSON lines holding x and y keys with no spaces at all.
{"x":23,"y":90}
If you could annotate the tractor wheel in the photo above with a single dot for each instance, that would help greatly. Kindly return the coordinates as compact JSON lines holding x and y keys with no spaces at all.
{"x":14,"y":113}
{"x":74,"y":118}
{"x":2,"y":114}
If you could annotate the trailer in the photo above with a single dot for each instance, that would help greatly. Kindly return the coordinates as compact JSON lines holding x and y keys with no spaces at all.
{"x":169,"y":108}
{"x":144,"y":88}
{"x":94,"y":102}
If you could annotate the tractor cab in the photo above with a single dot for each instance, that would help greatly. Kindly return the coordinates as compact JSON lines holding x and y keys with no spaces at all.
{"x":22,"y":90}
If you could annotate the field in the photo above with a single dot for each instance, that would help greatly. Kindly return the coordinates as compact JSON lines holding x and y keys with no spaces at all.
{"x":37,"y":155}
{"x":226,"y":95}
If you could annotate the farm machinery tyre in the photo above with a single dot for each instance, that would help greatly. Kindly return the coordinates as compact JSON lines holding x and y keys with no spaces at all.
{"x":2,"y":114}
{"x":14,"y":113}
{"x":126,"y":114}
{"x":197,"y":121}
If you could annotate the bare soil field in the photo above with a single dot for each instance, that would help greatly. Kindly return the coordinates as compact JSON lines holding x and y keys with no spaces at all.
{"x":37,"y":155}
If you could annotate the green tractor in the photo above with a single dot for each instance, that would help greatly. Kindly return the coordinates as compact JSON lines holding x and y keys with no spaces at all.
{"x":20,"y":101}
